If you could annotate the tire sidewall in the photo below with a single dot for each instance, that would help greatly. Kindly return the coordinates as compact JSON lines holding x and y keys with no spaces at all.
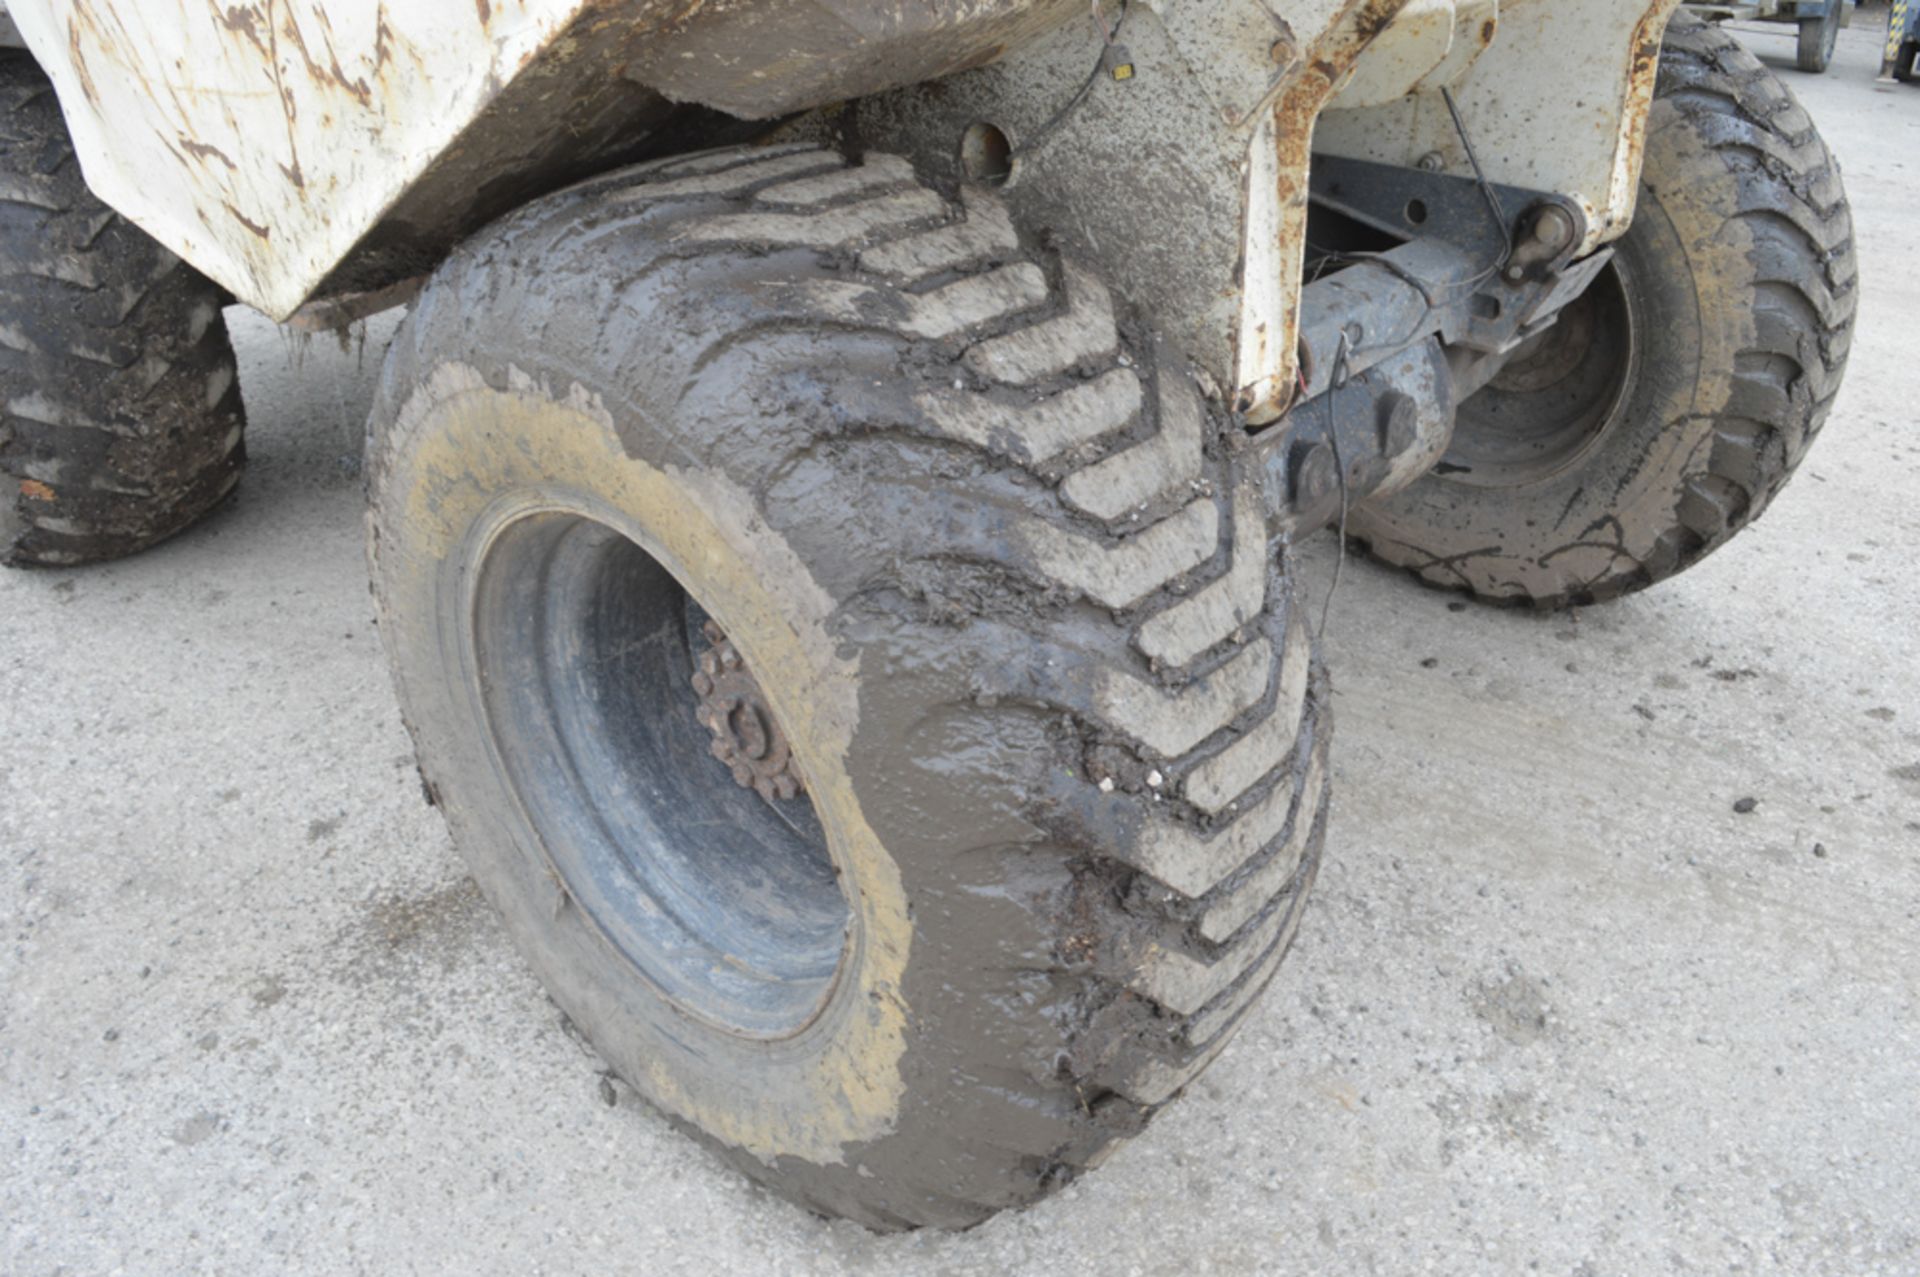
{"x":473,"y":445}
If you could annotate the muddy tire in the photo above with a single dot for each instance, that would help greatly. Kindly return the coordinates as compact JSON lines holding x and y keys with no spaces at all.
{"x":1668,"y":406}
{"x":1818,"y":39}
{"x":122,"y":422}
{"x":1008,"y":604}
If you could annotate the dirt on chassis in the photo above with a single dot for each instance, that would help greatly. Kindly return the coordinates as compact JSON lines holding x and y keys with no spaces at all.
{"x":832,"y":499}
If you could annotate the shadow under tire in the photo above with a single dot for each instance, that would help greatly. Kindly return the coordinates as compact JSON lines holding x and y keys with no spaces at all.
{"x":1060,"y":728}
{"x":1670,"y":405}
{"x":122,"y":421}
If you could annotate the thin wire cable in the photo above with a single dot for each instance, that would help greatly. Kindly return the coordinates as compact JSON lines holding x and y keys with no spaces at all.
{"x":1340,"y":379}
{"x":1479,"y":175}
{"x":1038,"y":139}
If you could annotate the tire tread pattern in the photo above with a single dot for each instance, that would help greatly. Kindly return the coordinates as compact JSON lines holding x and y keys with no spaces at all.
{"x":121,"y":421}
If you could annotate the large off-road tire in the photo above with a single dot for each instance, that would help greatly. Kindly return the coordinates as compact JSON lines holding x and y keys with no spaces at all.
{"x":120,"y":413}
{"x":1819,"y":37}
{"x":1668,"y":406}
{"x":1009,"y":604}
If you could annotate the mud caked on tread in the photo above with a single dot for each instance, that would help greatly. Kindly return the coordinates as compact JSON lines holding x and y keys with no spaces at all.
{"x":120,"y":413}
{"x":1741,"y":259}
{"x":1085,"y":720}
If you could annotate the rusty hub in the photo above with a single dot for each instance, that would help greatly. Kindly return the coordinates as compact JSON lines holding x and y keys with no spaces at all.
{"x":746,"y":736}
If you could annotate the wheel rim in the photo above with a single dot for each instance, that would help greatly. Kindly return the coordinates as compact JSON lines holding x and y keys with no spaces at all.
{"x":1558,"y":396}
{"x":583,"y":651}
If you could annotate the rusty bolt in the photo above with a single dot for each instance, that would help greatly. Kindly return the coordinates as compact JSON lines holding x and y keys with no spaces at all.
{"x":1287,"y":48}
{"x":1399,"y":422}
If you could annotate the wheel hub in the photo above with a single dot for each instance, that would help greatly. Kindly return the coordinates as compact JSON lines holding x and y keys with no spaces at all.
{"x":746,"y":736}
{"x":580,"y":644}
{"x":1558,"y":396}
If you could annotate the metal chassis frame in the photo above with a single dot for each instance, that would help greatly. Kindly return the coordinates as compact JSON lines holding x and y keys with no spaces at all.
{"x":1233,"y":101}
{"x":1393,"y":341}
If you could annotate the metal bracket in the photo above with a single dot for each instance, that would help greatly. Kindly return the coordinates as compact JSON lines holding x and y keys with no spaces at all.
{"x":1374,"y":431}
{"x":1392,"y":340}
{"x":1410,"y":203}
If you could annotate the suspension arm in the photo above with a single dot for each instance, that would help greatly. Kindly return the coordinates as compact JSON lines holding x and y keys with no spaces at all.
{"x":1391,"y":342}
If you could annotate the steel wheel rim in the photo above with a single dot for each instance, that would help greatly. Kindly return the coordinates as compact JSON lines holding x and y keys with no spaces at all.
{"x":1558,"y":396}
{"x":581,"y":649}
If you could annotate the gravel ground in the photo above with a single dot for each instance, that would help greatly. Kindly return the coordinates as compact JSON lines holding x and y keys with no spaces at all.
{"x":1560,"y":1004}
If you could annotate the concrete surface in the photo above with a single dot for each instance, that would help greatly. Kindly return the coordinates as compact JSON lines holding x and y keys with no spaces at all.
{"x":1557,"y":1006}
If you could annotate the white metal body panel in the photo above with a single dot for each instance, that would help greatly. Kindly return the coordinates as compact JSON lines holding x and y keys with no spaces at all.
{"x":262,"y":140}
{"x":1557,"y":102}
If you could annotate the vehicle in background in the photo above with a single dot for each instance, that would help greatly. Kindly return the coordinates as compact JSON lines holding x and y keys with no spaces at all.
{"x":1819,"y":22}
{"x":1903,"y":43}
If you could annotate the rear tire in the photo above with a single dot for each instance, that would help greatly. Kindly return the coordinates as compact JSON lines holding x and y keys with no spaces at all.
{"x":1008,"y":602}
{"x":122,"y":422}
{"x":1604,"y":460}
